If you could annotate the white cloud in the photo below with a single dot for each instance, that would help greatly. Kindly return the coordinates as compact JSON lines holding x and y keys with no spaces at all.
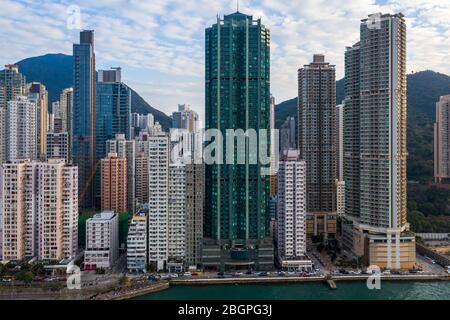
{"x":160,"y":43}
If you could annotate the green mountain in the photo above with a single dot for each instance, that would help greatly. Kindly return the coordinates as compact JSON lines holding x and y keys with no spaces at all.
{"x":55,"y":72}
{"x":424,"y":90}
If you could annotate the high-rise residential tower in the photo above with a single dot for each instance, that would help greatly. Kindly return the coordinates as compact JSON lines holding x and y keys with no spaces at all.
{"x":40,"y":210}
{"x":114,"y":183}
{"x":127,"y":149}
{"x":84,"y":113}
{"x":237,"y":96}
{"x":158,"y":195}
{"x":21,"y":135}
{"x":39,"y":95}
{"x":195,"y":202}
{"x":442,"y":141}
{"x":291,"y":218}
{"x":317,"y":143}
{"x":375,"y":225}
{"x":12,"y":84}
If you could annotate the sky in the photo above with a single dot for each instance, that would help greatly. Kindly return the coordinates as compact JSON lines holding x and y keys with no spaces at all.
{"x":160,"y":43}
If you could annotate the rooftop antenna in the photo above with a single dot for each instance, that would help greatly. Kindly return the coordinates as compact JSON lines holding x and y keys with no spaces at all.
{"x":237,"y":5}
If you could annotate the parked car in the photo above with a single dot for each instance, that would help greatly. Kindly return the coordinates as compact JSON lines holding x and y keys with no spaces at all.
{"x":187,"y":274}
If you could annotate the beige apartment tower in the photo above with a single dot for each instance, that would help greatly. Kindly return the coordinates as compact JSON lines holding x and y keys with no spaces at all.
{"x":442,"y":141}
{"x":317,"y":144}
{"x":114,"y":183}
{"x":374,"y":225}
{"x":40,"y":210}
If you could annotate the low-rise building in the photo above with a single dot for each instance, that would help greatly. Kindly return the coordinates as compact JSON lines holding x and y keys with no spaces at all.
{"x":102,"y":240}
{"x":137,"y":246}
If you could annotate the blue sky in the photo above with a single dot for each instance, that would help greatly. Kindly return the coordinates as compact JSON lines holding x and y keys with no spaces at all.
{"x":160,"y":43}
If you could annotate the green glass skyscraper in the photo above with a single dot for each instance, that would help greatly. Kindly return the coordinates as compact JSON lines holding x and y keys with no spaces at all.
{"x":237,"y":96}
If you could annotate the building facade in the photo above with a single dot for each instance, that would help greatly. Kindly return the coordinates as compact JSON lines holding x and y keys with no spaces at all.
{"x":375,"y":225}
{"x":158,"y":195}
{"x":84,"y":113}
{"x":185,"y":118}
{"x":12,"y":84}
{"x":177,"y":213}
{"x":102,"y":240}
{"x":442,"y":141}
{"x":57,"y":146}
{"x":195,"y":202}
{"x":126,"y":149}
{"x":114,"y":183}
{"x":21,"y":138}
{"x":317,"y":143}
{"x":113,"y":107}
{"x":291,"y":211}
{"x":40,"y":210}
{"x":137,"y":244}
{"x":237,"y":96}
{"x":38,"y":94}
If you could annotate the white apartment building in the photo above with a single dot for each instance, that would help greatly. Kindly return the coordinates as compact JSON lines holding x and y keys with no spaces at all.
{"x":102,"y":240}
{"x":177,"y":212}
{"x":39,"y":210}
{"x":158,"y":194}
{"x":340,"y":198}
{"x":137,"y":242}
{"x":57,"y":202}
{"x":21,"y":129}
{"x":291,"y":211}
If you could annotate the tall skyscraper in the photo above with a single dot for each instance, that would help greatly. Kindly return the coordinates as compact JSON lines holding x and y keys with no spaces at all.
{"x":40,"y":210}
{"x":84,"y":113}
{"x":442,"y":141}
{"x":113,"y":107}
{"x":12,"y":84}
{"x":114,"y":183}
{"x":291,"y":218}
{"x":237,"y":96}
{"x":317,"y":143}
{"x":39,"y":95}
{"x":177,"y":213}
{"x":340,"y":183}
{"x":158,"y":194}
{"x":195,"y":202}
{"x":21,"y":129}
{"x":127,"y":149}
{"x":375,"y":105}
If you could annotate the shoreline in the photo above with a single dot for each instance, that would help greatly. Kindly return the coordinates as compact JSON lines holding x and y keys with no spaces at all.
{"x":287,"y":280}
{"x":165,"y":285}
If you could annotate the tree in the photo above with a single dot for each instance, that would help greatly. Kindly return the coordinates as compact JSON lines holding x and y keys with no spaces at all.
{"x":125,"y":281}
{"x":26,"y":276}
